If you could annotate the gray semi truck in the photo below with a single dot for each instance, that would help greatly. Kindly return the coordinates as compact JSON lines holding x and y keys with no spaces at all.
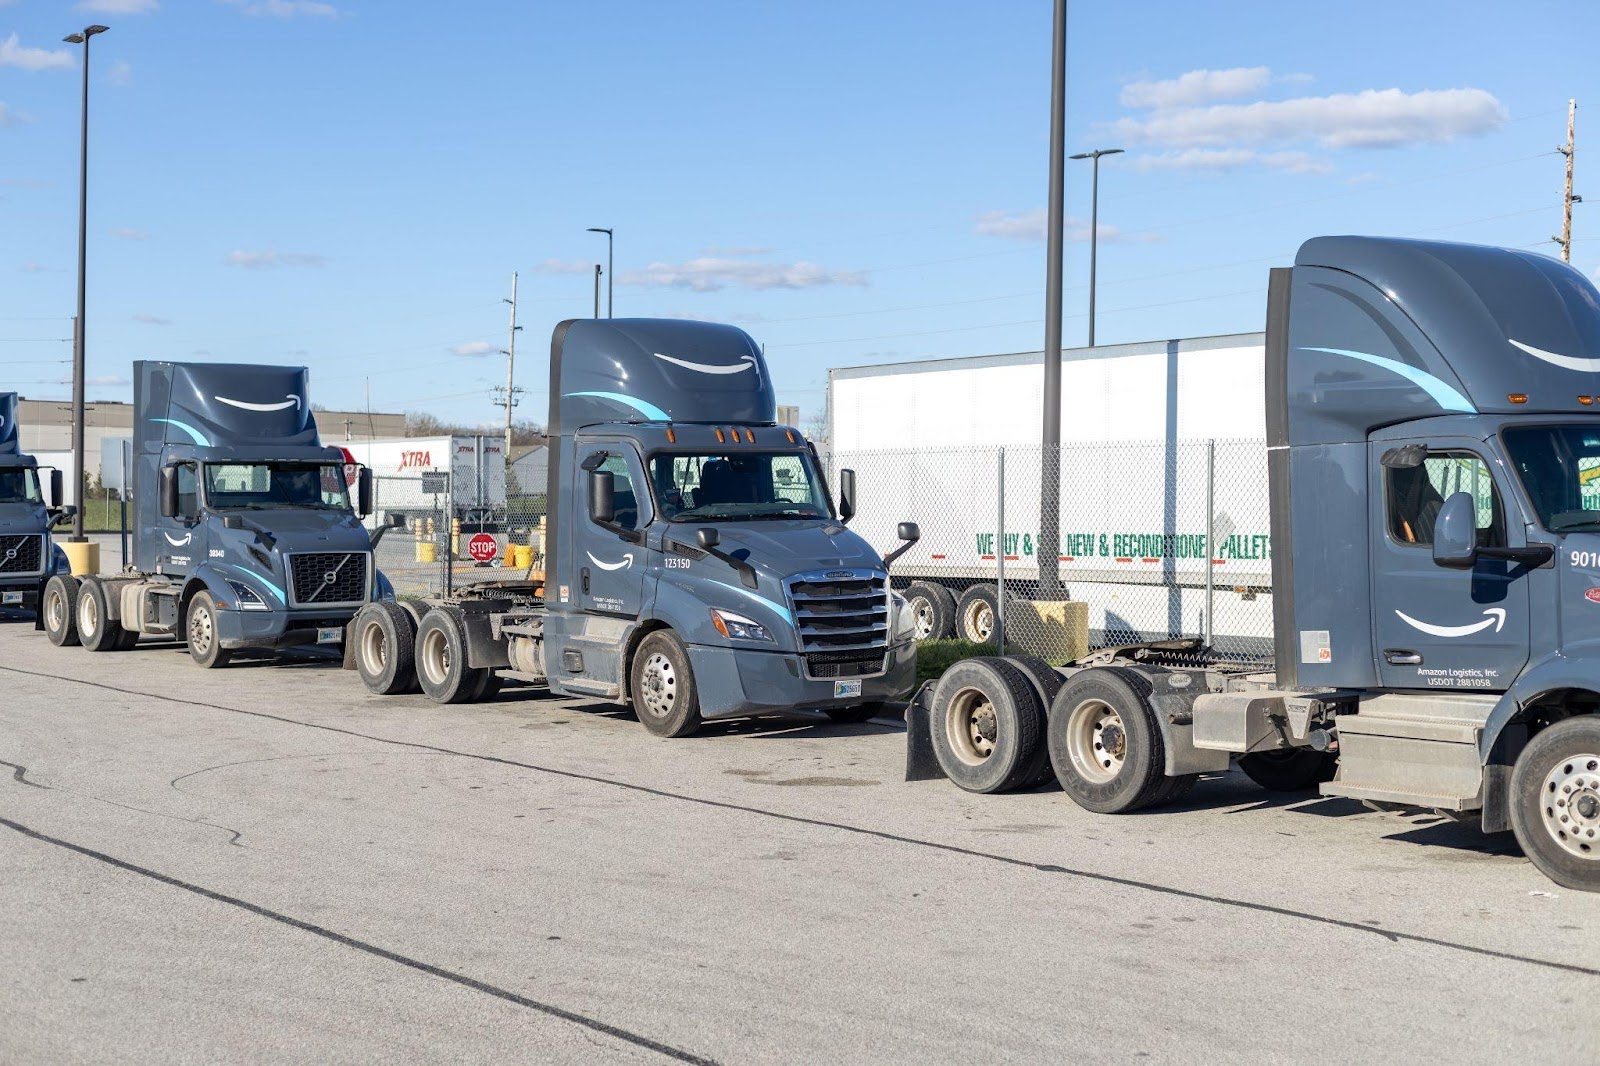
{"x":244,"y":535}
{"x":696,"y":567}
{"x":1434,"y":469}
{"x":28,"y":556}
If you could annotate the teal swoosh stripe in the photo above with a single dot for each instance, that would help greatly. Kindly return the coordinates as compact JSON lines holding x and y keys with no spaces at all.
{"x":275,"y":590}
{"x":1442,"y":394}
{"x":194,"y":434}
{"x":649,"y":410}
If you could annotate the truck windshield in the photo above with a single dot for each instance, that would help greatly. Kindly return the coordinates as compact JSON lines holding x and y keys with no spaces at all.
{"x":19,"y":485}
{"x":737,"y":486}
{"x":247,"y":486}
{"x":1560,"y":469}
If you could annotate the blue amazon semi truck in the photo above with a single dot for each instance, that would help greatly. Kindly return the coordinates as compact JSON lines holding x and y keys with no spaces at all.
{"x":1434,"y":471}
{"x":696,"y":564}
{"x":244,"y":533}
{"x":29,"y":508}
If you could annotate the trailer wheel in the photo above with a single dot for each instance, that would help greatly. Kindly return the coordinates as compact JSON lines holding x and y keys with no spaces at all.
{"x":1105,"y":744}
{"x":986,"y":725}
{"x":1555,"y":802}
{"x":976,"y":613}
{"x":1047,"y":682}
{"x":488,"y":688}
{"x":200,"y":628}
{"x":60,"y":610}
{"x":97,"y":630}
{"x":1288,"y":769}
{"x":384,"y":635}
{"x":664,"y":694}
{"x":933,"y":610}
{"x":441,"y":654}
{"x":854,"y":715}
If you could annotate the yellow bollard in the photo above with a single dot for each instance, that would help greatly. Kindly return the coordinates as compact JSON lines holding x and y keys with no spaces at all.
{"x":427,"y":551}
{"x":83,"y":555}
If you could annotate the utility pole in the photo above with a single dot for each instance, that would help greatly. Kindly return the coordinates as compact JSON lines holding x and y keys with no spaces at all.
{"x":611,"y":271}
{"x":597,"y":290}
{"x":511,"y":362}
{"x":1050,"y":488}
{"x":78,"y":330}
{"x":347,"y":433}
{"x":1570,"y":150}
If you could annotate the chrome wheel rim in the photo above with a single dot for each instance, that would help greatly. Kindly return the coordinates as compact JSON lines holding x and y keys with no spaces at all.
{"x":1097,"y":741}
{"x":200,"y":630}
{"x":55,"y":612}
{"x":374,"y":648}
{"x":434,"y":657}
{"x":971,"y":726}
{"x":979,"y":621}
{"x":88,"y":615}
{"x":658,"y":690}
{"x":1570,"y":805}
{"x":922,"y":618}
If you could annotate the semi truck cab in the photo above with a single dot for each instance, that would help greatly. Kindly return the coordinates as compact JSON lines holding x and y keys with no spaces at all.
{"x":28,"y":556}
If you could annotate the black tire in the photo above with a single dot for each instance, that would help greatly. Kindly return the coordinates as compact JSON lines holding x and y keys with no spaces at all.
{"x":488,"y":688}
{"x":934,"y":609}
{"x":1047,"y":682}
{"x":59,"y":610}
{"x":97,"y":630}
{"x":976,"y":614}
{"x":1555,"y":802}
{"x":200,"y":633}
{"x":1289,"y":769}
{"x":1105,"y":744}
{"x":384,"y":637}
{"x":441,"y":657}
{"x":854,"y":715}
{"x":986,"y":724}
{"x":661,"y":681}
{"x":129,"y":639}
{"x":1172,"y":790}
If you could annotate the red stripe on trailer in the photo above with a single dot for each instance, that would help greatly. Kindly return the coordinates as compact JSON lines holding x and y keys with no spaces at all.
{"x":1124,"y":559}
{"x":1068,"y":558}
{"x":1012,"y":558}
{"x":989,"y":558}
{"x":1150,"y":559}
{"x":936,"y":557}
{"x":1218,"y":562}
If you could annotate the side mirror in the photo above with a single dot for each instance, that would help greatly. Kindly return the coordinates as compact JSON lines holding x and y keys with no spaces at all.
{"x":602,"y":497}
{"x":58,"y":489}
{"x":364,"y":492}
{"x":397,"y":521}
{"x":707,"y":538}
{"x":169,"y":492}
{"x":909,"y":532}
{"x":847,"y":495}
{"x":1455,"y":532}
{"x":63,"y":513}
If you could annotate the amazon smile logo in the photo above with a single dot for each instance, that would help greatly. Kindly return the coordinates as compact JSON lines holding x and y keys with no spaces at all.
{"x":1565,"y":362}
{"x":289,"y":400}
{"x":177,"y":542}
{"x":627,"y":561}
{"x":745,"y":363}
{"x":1493,"y":616}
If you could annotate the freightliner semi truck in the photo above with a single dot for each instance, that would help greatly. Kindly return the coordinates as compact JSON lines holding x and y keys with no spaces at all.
{"x":28,"y":556}
{"x":1434,"y":448}
{"x":244,"y":535}
{"x":696,"y":565}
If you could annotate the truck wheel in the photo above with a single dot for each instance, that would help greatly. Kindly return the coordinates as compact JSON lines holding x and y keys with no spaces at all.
{"x":1105,"y":744}
{"x":664,"y":693}
{"x":854,"y":715}
{"x":1172,"y":790}
{"x":442,"y":657}
{"x":1555,"y":802}
{"x":384,"y":635}
{"x":976,"y":612}
{"x":1047,"y":682}
{"x":986,"y":725}
{"x":128,"y":640}
{"x":488,"y":688}
{"x":60,"y":610}
{"x":97,"y":630}
{"x":200,"y":627}
{"x":1288,"y":769}
{"x":933,"y":610}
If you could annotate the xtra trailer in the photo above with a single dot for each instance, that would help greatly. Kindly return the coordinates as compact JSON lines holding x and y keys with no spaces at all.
{"x":1436,"y":514}
{"x":696,"y":566}
{"x":28,"y":555}
{"x":243,"y":536}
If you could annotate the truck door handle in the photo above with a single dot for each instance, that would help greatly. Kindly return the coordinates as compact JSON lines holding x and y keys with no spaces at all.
{"x":585,"y":575}
{"x":1399,"y":657}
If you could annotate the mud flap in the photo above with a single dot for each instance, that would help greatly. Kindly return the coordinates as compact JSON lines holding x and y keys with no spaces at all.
{"x":921,"y":763}
{"x":349,"y":645}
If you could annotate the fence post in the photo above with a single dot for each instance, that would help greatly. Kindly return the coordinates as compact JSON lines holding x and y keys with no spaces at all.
{"x":446,"y":541}
{"x":1000,"y":558}
{"x":1211,"y":537}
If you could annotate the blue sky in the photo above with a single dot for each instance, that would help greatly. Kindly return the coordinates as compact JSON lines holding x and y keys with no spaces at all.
{"x":349,"y":185}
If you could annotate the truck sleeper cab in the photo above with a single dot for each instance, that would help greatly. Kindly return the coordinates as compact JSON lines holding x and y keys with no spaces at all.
{"x":696,"y":566}
{"x":244,"y":532}
{"x":28,"y":555}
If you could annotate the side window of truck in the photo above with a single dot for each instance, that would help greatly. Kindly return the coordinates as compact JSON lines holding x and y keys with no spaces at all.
{"x":188,"y":492}
{"x":1415,"y":494}
{"x":627,"y":492}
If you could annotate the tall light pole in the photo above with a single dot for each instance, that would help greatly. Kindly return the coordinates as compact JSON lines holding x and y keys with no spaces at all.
{"x":83,"y":254}
{"x":597,"y":290}
{"x":1050,"y":494}
{"x":611,"y":278}
{"x":1094,"y":224}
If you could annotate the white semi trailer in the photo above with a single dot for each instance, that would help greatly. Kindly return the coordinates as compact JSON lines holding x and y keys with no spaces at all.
{"x":1150,"y":433}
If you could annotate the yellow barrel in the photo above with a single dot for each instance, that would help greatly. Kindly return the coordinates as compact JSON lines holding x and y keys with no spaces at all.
{"x":427,"y":551}
{"x":521,"y":555}
{"x":83,"y":556}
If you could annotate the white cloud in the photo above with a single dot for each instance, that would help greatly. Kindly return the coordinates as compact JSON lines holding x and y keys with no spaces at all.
{"x":12,"y":118}
{"x":473,"y":348}
{"x":1196,"y":87}
{"x":1033,"y":225}
{"x":1222,"y":159}
{"x":13,"y":54}
{"x":31,"y":267}
{"x":284,"y":9}
{"x":120,"y":74}
{"x":564,"y":266}
{"x":736,"y":250}
{"x":711,"y":273}
{"x":270,"y":260}
{"x":1372,"y":118}
{"x":152,"y":320}
{"x":119,"y":7}
{"x":129,"y":234}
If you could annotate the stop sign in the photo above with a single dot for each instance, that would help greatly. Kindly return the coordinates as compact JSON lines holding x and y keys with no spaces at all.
{"x":483,"y":547}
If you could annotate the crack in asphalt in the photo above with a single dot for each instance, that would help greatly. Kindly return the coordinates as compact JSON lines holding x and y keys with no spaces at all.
{"x":1393,"y":936}
{"x":19,"y":774}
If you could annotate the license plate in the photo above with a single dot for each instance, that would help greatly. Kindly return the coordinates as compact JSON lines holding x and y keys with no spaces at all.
{"x":846,"y":689}
{"x":330,"y":634}
{"x":10,"y":597}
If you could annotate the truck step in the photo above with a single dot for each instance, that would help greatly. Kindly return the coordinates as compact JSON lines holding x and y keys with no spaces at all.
{"x":1428,"y":800}
{"x":1423,"y":759}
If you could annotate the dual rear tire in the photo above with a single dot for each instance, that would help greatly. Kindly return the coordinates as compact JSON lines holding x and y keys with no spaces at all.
{"x":97,"y":629}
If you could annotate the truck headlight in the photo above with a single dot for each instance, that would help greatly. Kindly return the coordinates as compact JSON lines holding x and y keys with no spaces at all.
{"x":738,"y":627}
{"x":904,"y":625}
{"x":246,"y":596}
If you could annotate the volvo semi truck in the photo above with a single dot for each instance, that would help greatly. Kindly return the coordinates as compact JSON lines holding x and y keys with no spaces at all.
{"x":244,"y":534}
{"x":697,"y":567}
{"x":28,"y":556}
{"x":1434,"y":466}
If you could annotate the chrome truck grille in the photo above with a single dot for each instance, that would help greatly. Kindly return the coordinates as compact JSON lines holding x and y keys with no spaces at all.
{"x":328,"y":579}
{"x":21,"y":553}
{"x":843,"y":620}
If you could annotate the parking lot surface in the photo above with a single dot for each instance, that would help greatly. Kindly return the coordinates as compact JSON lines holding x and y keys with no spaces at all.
{"x":267,"y":863}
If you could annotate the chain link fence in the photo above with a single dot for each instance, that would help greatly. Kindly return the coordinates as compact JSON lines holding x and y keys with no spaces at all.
{"x":442,"y":548}
{"x":1153,"y":540}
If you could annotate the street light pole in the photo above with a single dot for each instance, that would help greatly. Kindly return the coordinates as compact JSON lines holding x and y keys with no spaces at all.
{"x":1050,"y":468}
{"x":83,"y":254}
{"x":611,"y":277}
{"x":597,"y":290}
{"x":1094,"y":225}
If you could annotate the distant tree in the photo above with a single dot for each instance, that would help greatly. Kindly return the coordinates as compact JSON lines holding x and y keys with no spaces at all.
{"x":425,"y":424}
{"x":817,"y":429}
